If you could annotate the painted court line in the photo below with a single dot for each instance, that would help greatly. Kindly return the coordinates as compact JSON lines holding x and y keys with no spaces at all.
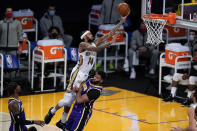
{"x":130,"y":117}
{"x":120,"y":98}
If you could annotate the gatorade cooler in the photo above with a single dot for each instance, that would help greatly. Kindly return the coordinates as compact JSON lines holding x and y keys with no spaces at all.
{"x":25,"y":17}
{"x":104,"y":29}
{"x":175,"y":31}
{"x":53,"y":49}
{"x":174,"y":50}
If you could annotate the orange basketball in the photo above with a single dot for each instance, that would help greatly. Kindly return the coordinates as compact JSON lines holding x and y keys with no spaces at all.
{"x":123,"y":9}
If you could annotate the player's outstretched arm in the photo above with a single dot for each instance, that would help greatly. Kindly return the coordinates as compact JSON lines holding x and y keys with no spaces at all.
{"x":15,"y":111}
{"x":85,"y":46}
{"x":105,"y":37}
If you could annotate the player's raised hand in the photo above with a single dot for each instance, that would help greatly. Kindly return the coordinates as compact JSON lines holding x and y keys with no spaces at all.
{"x":39,"y":122}
{"x":124,"y":18}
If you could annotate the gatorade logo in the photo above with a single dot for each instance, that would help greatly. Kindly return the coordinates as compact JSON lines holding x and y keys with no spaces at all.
{"x":171,"y":55}
{"x":24,"y":20}
{"x":176,"y":30}
{"x":53,"y":50}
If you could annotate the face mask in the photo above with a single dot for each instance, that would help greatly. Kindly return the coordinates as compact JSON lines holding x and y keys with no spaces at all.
{"x":9,"y":15}
{"x":191,"y":37}
{"x":143,"y":30}
{"x":54,"y":35}
{"x":52,"y":13}
{"x":195,"y":59}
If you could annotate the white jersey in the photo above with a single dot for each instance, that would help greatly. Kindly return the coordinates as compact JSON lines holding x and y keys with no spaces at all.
{"x":86,"y":61}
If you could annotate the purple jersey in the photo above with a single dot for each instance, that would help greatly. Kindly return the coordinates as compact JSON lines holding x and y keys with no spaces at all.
{"x":14,"y":125}
{"x":81,"y":113}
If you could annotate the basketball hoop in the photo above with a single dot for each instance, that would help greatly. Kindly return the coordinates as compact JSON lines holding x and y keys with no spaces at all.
{"x":155,"y":24}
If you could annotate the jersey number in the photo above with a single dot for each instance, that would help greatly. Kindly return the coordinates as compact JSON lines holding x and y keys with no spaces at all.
{"x":90,"y":61}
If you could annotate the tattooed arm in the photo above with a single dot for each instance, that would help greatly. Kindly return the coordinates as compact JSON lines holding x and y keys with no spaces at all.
{"x":15,"y":111}
{"x":105,"y":37}
{"x":85,"y":46}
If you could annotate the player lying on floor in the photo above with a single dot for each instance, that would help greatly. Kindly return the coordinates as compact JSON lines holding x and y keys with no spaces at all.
{"x":88,"y":92}
{"x":192,"y":115}
{"x":191,"y":77}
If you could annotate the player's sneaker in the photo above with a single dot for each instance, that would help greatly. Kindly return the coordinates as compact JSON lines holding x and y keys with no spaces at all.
{"x":61,"y":125}
{"x":187,"y":102}
{"x":169,"y":99}
{"x":151,"y":71}
{"x":48,"y":116}
{"x":133,"y":74}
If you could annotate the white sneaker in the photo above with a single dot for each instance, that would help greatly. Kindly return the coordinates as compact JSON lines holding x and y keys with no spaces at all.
{"x":152,"y":71}
{"x":133,"y":74}
{"x":126,"y":65}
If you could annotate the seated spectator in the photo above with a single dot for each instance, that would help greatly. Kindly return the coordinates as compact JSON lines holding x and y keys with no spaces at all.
{"x":138,"y":44}
{"x":53,"y":33}
{"x":192,"y":79}
{"x":50,"y":19}
{"x":10,"y":33}
{"x":192,"y":40}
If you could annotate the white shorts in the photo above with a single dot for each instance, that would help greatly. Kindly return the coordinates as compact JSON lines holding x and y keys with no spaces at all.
{"x":76,"y":78}
{"x":178,"y":77}
{"x":193,"y":80}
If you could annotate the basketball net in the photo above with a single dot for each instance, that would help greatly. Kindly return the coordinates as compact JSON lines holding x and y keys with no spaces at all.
{"x":154,"y":30}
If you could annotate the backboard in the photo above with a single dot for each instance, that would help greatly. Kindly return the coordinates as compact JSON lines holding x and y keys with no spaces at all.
{"x":185,"y":10}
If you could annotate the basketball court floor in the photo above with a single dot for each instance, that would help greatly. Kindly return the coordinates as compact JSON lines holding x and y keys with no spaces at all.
{"x":122,"y":111}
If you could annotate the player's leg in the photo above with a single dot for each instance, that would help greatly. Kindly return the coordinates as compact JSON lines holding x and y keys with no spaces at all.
{"x":61,"y":123}
{"x":65,"y":101}
{"x":176,"y":78}
{"x":81,"y":77}
{"x":192,"y":83}
{"x":133,"y":73}
{"x":153,"y":60}
{"x":80,"y":121}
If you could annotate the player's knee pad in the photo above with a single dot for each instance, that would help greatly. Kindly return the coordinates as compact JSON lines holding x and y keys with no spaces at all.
{"x":177,"y":77}
{"x":192,"y":80}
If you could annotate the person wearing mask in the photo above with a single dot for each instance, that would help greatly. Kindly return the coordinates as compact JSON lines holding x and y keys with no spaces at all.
{"x":10,"y":33}
{"x":53,"y":33}
{"x":192,"y":41}
{"x":50,"y":19}
{"x":138,"y":44}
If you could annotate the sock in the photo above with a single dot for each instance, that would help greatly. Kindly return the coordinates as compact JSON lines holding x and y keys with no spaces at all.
{"x":189,"y":93}
{"x":53,"y":110}
{"x":63,"y":119}
{"x":173,"y":91}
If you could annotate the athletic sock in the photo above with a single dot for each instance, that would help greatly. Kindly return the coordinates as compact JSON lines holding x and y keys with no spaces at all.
{"x":63,"y":119}
{"x":173,"y":91}
{"x":53,"y":110}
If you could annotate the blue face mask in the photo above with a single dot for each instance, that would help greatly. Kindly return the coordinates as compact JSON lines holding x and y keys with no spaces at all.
{"x":191,"y":37}
{"x":52,"y":13}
